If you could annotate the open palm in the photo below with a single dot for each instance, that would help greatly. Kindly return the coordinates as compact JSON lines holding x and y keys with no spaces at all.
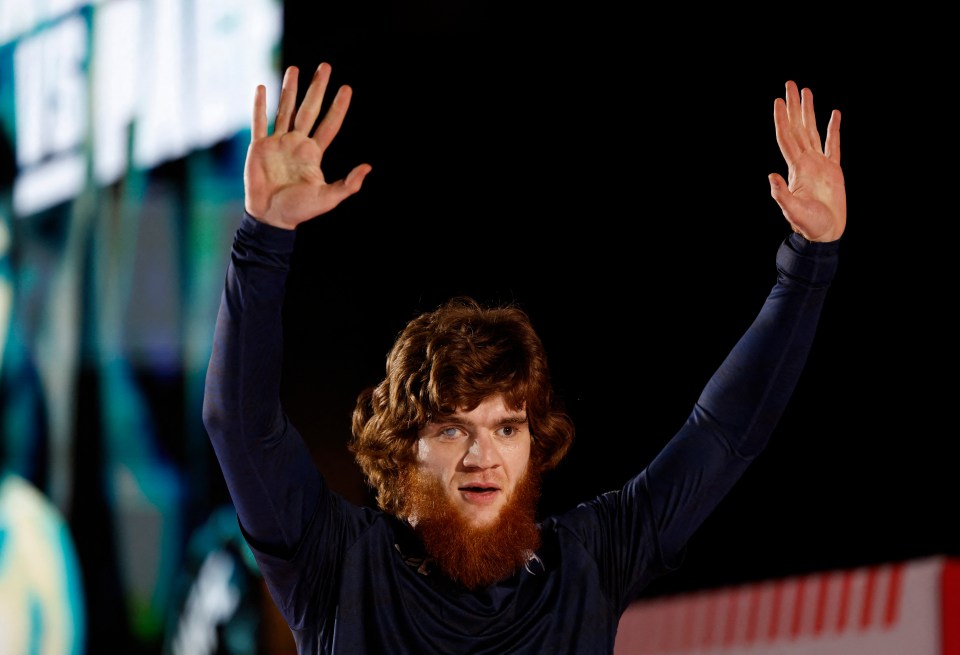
{"x":813,"y":199}
{"x":283,"y":181}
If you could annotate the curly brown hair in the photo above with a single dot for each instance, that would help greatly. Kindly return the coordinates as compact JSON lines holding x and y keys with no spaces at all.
{"x":449,"y":360}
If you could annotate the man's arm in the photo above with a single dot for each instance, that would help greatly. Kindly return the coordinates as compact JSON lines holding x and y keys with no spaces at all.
{"x":267,"y":467}
{"x":744,"y":400}
{"x":660,"y":509}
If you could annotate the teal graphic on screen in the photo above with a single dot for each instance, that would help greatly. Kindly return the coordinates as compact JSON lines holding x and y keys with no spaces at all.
{"x":123,"y":129}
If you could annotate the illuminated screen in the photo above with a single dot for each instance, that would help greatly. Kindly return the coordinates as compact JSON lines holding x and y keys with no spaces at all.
{"x":123,"y":129}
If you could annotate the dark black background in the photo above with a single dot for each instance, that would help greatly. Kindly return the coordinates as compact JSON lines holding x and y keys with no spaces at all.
{"x":609,"y":173}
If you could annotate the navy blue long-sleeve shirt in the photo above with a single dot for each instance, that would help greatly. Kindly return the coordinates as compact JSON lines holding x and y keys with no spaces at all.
{"x":349,"y":579}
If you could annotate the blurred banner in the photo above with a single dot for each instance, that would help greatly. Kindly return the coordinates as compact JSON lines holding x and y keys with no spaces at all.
{"x":892,"y":609}
{"x":123,"y":129}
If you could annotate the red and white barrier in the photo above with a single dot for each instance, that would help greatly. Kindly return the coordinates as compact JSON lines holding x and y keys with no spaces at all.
{"x":907,"y":608}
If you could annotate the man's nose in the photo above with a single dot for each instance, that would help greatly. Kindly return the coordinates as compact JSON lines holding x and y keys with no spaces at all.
{"x":481,"y":453}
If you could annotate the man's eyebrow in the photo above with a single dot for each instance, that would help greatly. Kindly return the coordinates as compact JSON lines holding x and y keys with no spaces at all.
{"x":512,"y":419}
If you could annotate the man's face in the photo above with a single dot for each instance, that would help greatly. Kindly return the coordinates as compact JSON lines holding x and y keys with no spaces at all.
{"x":478,"y":457}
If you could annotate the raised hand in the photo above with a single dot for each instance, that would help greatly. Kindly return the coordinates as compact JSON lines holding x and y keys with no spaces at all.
{"x":283,"y":183}
{"x":814,"y":199}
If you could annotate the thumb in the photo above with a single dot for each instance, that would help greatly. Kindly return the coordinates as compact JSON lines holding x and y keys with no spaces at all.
{"x":355,"y":177}
{"x":780,"y":192}
{"x":333,"y":194}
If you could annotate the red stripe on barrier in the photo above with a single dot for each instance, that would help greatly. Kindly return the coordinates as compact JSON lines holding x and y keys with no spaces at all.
{"x":869,"y":591}
{"x":950,"y":607}
{"x":796,"y":622}
{"x":820,"y":616}
{"x":843,"y":605}
{"x":775,"y":604}
{"x":730,"y":626}
{"x":753,"y":614}
{"x":709,"y":620}
{"x":891,"y":611}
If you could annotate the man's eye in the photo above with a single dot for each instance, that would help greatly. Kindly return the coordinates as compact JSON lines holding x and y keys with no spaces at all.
{"x":449,"y":433}
{"x":508,"y":431}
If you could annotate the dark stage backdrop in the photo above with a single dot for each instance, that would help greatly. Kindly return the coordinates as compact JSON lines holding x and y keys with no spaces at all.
{"x":614,"y":185}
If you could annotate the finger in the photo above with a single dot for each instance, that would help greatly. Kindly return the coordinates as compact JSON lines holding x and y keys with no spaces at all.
{"x":809,"y":120}
{"x":786,"y":138}
{"x":796,"y":128}
{"x":288,"y":101}
{"x":330,"y":125}
{"x":780,"y":192}
{"x":792,"y":99}
{"x":258,"y":123}
{"x":337,"y":192}
{"x":832,"y":147}
{"x":310,"y":107}
{"x":354,"y":179}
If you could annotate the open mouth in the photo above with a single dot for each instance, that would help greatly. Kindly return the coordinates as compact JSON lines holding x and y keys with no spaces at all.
{"x":482,"y":493}
{"x":479,"y":489}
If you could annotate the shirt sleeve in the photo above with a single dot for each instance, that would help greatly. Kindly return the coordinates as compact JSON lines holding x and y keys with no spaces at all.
{"x":268,"y":469}
{"x":743,"y":401}
{"x":639,"y":532}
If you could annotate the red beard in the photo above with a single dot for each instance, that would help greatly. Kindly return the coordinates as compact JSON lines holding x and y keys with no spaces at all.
{"x":473,"y":556}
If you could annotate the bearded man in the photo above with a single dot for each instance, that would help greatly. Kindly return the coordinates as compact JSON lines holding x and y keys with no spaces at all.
{"x":455,"y":438}
{"x":447,"y":437}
